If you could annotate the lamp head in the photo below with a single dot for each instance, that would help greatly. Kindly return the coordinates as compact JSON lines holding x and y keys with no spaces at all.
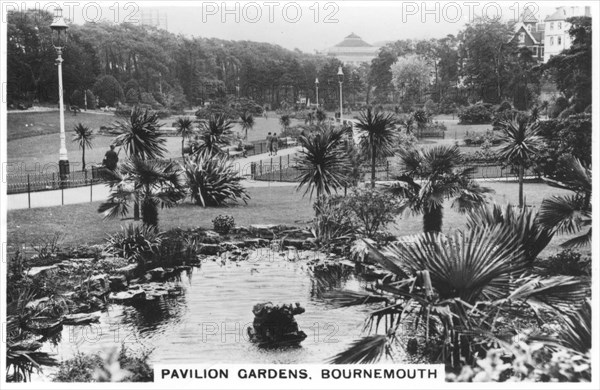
{"x":59,"y":29}
{"x":340,"y":75}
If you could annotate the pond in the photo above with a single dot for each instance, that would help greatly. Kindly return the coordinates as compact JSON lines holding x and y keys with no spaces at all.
{"x":208,"y":320}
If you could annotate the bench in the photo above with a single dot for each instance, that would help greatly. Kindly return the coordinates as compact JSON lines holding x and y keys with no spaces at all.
{"x":289,"y":141}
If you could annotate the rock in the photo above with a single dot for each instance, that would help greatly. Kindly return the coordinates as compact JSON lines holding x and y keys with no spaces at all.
{"x":275,"y":326}
{"x":233,"y":245}
{"x":44,"y":325}
{"x":263,"y":230}
{"x":128,"y":271}
{"x":296,"y":243}
{"x":96,"y":285}
{"x":128,"y":296}
{"x":256,"y":242}
{"x":209,"y":249}
{"x":157,"y":274}
{"x":42,"y":271}
{"x":212,"y":234}
{"x":118,"y":283}
{"x":81,"y":318}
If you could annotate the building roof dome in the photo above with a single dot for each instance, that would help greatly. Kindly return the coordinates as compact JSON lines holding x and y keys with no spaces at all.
{"x":353,"y":40}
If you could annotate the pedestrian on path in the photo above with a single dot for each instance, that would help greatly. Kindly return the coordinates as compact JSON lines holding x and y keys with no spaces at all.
{"x":274,"y":144}
{"x":111,"y":158}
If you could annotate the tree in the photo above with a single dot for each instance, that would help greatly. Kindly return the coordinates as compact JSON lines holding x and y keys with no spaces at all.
{"x":215,"y":133}
{"x":411,"y":75}
{"x":140,"y":139}
{"x":570,"y":213}
{"x":520,"y":143}
{"x":572,"y":69}
{"x":151,"y":183}
{"x":108,"y":90}
{"x":247,"y":121}
{"x":430,"y":177}
{"x":139,"y":135}
{"x":185,"y":128}
{"x":285,"y":121}
{"x":83,"y":136}
{"x":486,"y":50}
{"x":378,"y":138}
{"x":323,"y":164}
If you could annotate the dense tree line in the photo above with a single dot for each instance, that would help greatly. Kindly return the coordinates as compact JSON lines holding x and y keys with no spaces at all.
{"x":140,"y":64}
{"x":135,"y":64}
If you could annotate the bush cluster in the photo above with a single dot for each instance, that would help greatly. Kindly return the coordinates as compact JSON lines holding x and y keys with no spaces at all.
{"x":223,"y":224}
{"x":476,"y":114}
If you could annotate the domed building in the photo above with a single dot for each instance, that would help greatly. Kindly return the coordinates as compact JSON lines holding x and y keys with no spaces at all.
{"x":353,"y":50}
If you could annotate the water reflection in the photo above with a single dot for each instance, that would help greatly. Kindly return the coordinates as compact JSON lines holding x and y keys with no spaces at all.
{"x":208,"y":321}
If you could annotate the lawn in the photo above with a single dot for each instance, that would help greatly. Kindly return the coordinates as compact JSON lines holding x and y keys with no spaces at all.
{"x":81,"y":224}
{"x":35,"y":146}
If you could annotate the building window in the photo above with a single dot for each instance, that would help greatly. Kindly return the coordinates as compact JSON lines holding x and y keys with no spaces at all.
{"x":551,"y":25}
{"x":559,"y":41}
{"x":529,"y":27}
{"x":522,"y":37}
{"x":541,"y":51}
{"x":551,"y":41}
{"x":560,"y":25}
{"x":535,"y":51}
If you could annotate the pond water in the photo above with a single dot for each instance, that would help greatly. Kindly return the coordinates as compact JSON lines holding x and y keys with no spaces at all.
{"x":208,"y":320}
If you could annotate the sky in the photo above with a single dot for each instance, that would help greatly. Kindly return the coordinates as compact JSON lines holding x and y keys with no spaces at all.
{"x":309,"y":25}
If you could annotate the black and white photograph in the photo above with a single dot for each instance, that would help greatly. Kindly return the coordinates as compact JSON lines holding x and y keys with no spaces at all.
{"x":299,"y":194}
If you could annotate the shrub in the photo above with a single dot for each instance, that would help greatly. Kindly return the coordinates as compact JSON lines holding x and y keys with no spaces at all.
{"x":430,"y":107}
{"x":331,"y":222}
{"x":566,"y":113}
{"x":213,"y":180}
{"x":567,"y":262}
{"x":504,"y":106}
{"x":123,"y":366}
{"x":135,"y":242}
{"x":371,"y":209}
{"x":108,"y":90}
{"x":559,"y":106}
{"x":475,"y":114}
{"x":223,"y":223}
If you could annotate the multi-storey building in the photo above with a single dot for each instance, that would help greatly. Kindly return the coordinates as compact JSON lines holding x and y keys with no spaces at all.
{"x":556,"y":29}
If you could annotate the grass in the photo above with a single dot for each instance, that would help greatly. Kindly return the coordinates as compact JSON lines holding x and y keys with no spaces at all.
{"x":81,"y":224}
{"x":33,"y":140}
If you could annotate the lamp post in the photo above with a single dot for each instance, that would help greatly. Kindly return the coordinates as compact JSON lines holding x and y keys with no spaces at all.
{"x":59,"y":40}
{"x":317,"y":88}
{"x":340,"y":76}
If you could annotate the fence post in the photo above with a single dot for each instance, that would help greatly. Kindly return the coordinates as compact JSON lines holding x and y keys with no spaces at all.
{"x":62,"y":195}
{"x":387,"y":170}
{"x":260,"y":167}
{"x":91,"y":191}
{"x":28,"y":192}
{"x":53,"y":181}
{"x":271,"y":170}
{"x":260,"y":148}
{"x":281,"y":168}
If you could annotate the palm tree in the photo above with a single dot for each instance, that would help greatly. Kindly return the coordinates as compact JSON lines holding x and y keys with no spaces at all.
{"x":247,"y":121}
{"x":83,"y":136}
{"x":323,"y":163}
{"x":570,"y":213}
{"x":214,"y":134}
{"x":455,"y":289}
{"x":139,"y":135}
{"x":185,"y":128}
{"x":430,"y":177}
{"x":520,"y":142}
{"x":378,"y":138}
{"x":320,"y":116}
{"x":152,"y":183}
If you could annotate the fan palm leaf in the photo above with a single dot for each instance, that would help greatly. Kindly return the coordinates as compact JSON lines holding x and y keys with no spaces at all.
{"x":369,"y":349}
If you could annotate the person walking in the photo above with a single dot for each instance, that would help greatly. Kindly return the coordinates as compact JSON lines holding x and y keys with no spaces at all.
{"x":270,"y":144}
{"x":111,"y":158}
{"x":275,"y":144}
